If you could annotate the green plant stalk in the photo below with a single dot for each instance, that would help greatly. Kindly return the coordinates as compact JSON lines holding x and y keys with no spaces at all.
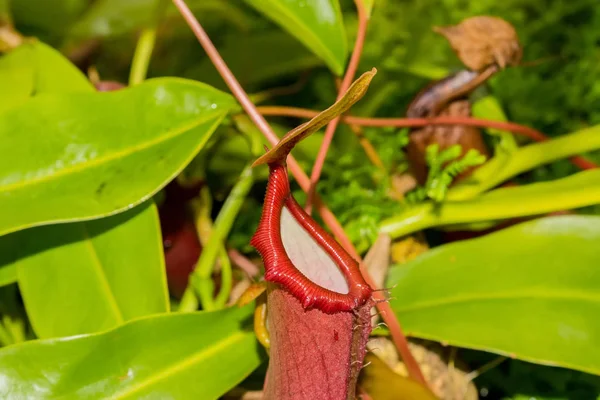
{"x":226,"y":283}
{"x":578,"y":190}
{"x":501,"y":168}
{"x":145,"y":46}
{"x":200,"y":280}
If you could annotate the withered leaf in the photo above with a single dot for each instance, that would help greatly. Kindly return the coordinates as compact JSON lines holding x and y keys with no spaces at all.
{"x":482,"y":41}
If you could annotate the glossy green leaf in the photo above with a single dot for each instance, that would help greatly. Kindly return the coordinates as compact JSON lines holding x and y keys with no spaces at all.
{"x":79,"y":156}
{"x":170,"y":356}
{"x":90,"y":276}
{"x":318,"y":24}
{"x":35,"y":68}
{"x":529,"y":291}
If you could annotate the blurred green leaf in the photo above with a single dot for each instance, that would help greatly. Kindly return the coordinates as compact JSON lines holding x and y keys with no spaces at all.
{"x":175,"y":356}
{"x":318,"y":24}
{"x":46,"y":17}
{"x":102,"y":152}
{"x":280,"y":56}
{"x":530,"y":292}
{"x":101,"y":273}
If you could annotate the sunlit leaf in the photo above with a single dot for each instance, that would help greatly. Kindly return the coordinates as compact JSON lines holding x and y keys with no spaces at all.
{"x":85,"y":155}
{"x":169,"y":356}
{"x":97,"y":273}
{"x":530,"y":291}
{"x":316,"y":23}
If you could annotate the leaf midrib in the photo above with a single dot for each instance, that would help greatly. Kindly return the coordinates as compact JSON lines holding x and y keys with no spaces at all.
{"x":181,"y":365}
{"x":112,"y":156}
{"x":533,"y":295}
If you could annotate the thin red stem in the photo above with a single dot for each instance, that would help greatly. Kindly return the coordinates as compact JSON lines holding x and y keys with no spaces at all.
{"x":363,"y":21}
{"x":328,"y":217}
{"x":242,"y":262}
{"x":531,"y":133}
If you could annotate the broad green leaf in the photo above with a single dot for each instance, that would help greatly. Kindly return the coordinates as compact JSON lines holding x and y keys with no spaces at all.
{"x":170,"y":356}
{"x":318,"y":24}
{"x":79,"y":156}
{"x":529,"y":291}
{"x":91,"y":276}
{"x":35,"y":68}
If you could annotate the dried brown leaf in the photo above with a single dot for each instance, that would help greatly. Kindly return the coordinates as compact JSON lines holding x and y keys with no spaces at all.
{"x":482,"y":41}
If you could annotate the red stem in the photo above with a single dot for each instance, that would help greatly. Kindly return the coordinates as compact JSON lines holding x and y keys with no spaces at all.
{"x":328,"y":217}
{"x":346,"y":82}
{"x":242,"y":262}
{"x":531,"y":133}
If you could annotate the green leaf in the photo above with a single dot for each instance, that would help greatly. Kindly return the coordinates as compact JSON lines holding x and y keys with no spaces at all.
{"x":35,"y":68}
{"x":530,"y":292}
{"x":280,"y":55}
{"x":101,"y":273}
{"x":46,"y":16}
{"x":318,"y":24}
{"x":79,"y":156}
{"x":170,"y":356}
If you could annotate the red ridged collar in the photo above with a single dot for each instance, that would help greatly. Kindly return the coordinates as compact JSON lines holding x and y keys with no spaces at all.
{"x":280,"y":269}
